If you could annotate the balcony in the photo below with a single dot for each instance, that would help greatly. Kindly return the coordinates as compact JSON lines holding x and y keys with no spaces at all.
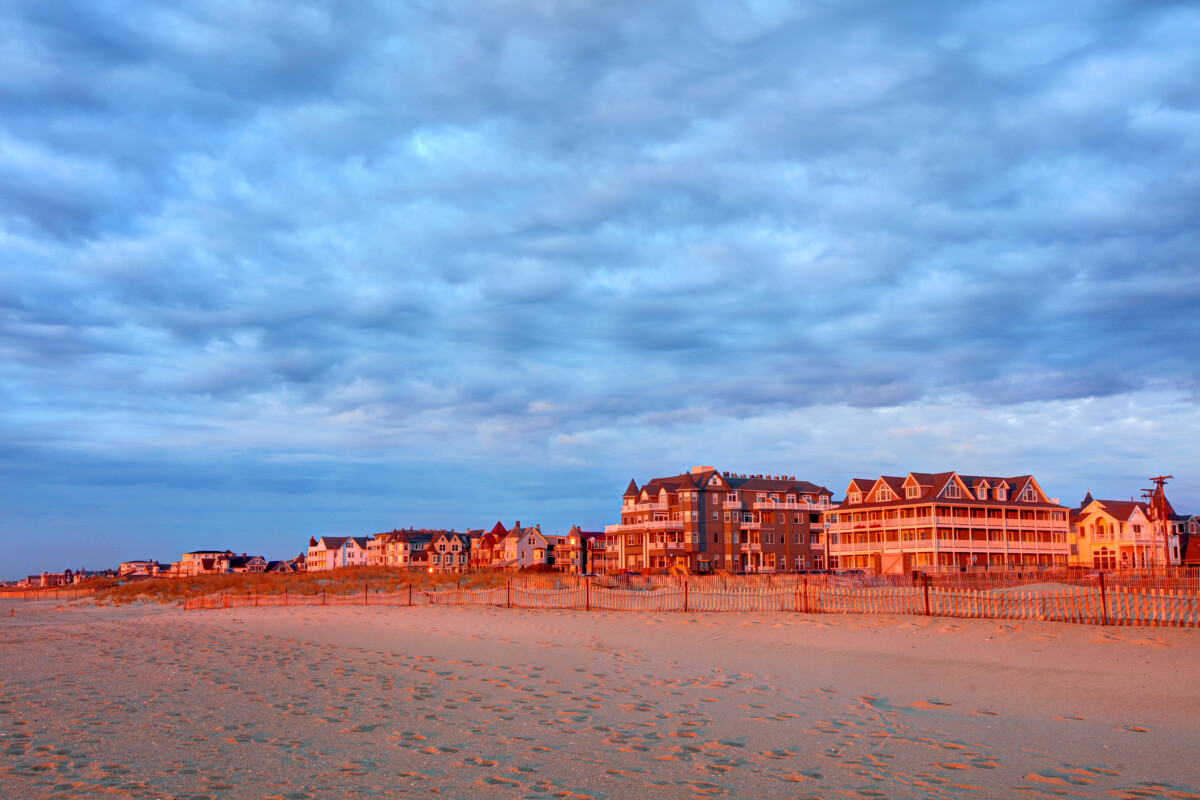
{"x":640,"y":507}
{"x":665,"y":547}
{"x":750,"y":526}
{"x":733,"y":506}
{"x":640,"y":527}
{"x":751,"y":547}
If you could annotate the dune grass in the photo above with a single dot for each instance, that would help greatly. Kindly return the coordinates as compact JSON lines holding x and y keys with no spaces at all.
{"x":349,"y":580}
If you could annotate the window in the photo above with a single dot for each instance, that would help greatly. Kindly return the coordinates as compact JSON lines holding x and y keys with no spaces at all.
{"x":855,"y":497}
{"x":951,"y":490}
{"x":981,"y":493}
{"x":779,"y":518}
{"x":716,"y":537}
{"x":726,"y":516}
{"x":912,"y":492}
{"x":1029,"y":495}
{"x":715,"y":516}
{"x":884,"y":494}
{"x":796,"y":539}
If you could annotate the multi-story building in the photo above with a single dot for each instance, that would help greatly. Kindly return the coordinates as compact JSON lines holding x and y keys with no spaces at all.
{"x":201,"y":562}
{"x":707,"y":520}
{"x":523,"y":547}
{"x":335,"y":552}
{"x":1106,"y":534}
{"x":399,"y":548}
{"x":576,"y":552}
{"x":449,"y":552}
{"x":946,"y":520}
{"x":486,"y":549}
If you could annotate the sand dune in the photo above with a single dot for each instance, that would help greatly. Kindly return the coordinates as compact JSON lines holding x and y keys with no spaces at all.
{"x":154,"y":702}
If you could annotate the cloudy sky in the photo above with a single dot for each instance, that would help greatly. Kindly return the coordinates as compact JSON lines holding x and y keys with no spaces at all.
{"x":278,"y":269}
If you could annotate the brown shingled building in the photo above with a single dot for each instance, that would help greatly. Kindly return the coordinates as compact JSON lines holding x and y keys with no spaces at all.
{"x":706,"y":520}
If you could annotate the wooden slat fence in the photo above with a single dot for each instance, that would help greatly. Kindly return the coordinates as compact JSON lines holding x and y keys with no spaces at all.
{"x":1097,"y":605}
{"x":46,"y":594}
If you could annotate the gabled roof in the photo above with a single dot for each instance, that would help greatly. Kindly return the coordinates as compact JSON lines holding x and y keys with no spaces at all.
{"x":933,"y":486}
{"x":1117,"y":509}
{"x":331,"y":542}
{"x":630,"y":491}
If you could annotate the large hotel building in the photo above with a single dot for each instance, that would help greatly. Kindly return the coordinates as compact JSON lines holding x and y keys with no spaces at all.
{"x":946,"y":520}
{"x":707,"y":520}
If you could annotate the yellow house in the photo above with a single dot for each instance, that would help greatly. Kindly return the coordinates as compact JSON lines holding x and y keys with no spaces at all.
{"x":1112,"y":534}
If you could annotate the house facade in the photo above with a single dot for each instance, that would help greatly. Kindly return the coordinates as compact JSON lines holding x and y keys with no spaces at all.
{"x":523,"y":548}
{"x":335,"y":552}
{"x":201,"y":562}
{"x":946,"y":521}
{"x":578,"y":552}
{"x":1112,"y":534}
{"x":449,"y":552}
{"x":706,"y":520}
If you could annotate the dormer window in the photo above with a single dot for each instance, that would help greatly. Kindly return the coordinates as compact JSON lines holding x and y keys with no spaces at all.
{"x":884,"y":495}
{"x":981,"y":492}
{"x":912,"y":492}
{"x":1029,"y":495}
{"x":952,"y":491}
{"x":855,"y":497}
{"x":1001,"y":493}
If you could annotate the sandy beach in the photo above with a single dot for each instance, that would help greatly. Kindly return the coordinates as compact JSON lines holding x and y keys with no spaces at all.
{"x":151,"y":701}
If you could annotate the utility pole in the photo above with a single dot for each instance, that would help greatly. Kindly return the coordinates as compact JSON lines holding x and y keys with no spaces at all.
{"x":1158,"y":504}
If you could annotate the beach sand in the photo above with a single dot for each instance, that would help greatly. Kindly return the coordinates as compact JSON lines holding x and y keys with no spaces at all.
{"x":151,"y":701}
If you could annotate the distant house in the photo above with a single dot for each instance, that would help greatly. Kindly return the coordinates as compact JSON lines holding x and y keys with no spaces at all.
{"x":335,"y":552}
{"x":522,"y":548}
{"x":139,"y":569}
{"x":245,"y":563}
{"x":398,"y":548}
{"x":487,"y":548}
{"x":579,"y":551}
{"x":449,"y":552}
{"x":201,"y":562}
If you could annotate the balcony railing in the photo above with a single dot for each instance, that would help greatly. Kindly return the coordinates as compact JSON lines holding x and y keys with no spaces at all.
{"x":639,"y":507}
{"x":949,"y":546}
{"x":729,"y":505}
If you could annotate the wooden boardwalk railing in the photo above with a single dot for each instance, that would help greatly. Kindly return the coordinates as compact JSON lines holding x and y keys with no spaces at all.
{"x":1098,"y":605}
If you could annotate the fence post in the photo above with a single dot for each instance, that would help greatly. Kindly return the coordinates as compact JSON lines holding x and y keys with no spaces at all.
{"x":410,"y":594}
{"x":1103,"y":599}
{"x":364,"y":593}
{"x":685,"y":596}
{"x":322,"y":597}
{"x":587,"y":589}
{"x":508,"y":594}
{"x":925,"y":585}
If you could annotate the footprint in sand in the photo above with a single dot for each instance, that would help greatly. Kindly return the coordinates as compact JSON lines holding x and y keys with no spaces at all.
{"x":929,"y":704}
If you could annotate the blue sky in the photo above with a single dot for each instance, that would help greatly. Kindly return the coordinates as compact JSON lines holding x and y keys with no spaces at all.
{"x":278,"y":269}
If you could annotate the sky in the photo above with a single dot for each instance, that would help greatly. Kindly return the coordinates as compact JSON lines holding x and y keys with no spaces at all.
{"x":273,"y":270}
